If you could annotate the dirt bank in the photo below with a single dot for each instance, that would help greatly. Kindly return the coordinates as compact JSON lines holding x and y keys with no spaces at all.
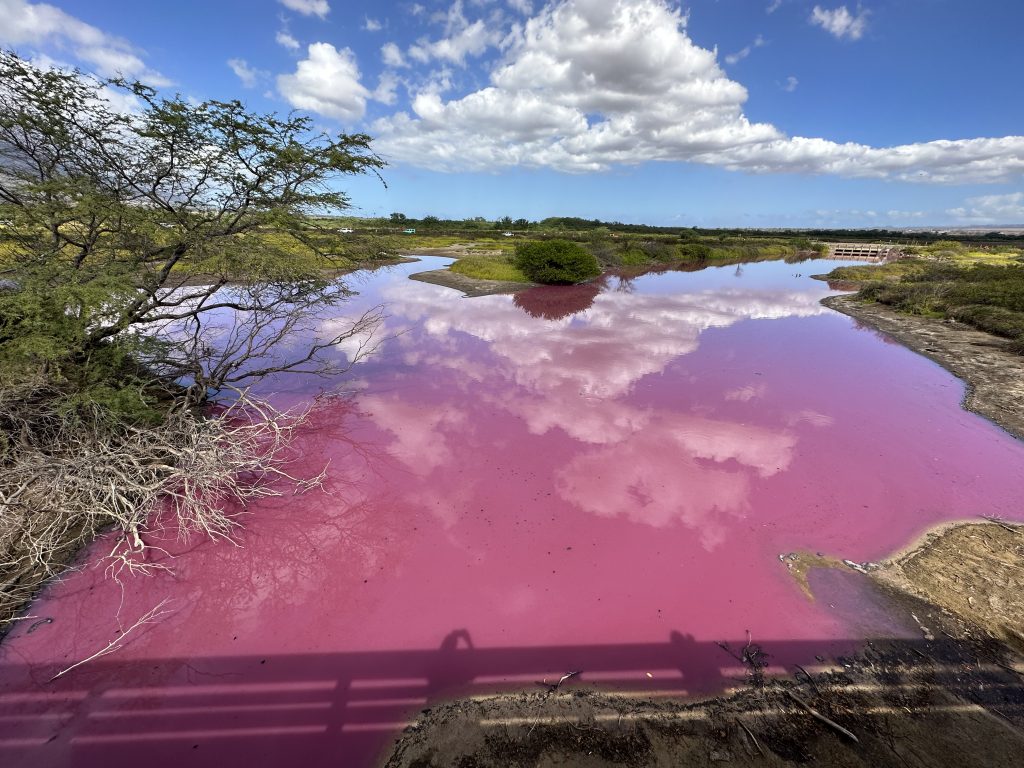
{"x":994,"y":375}
{"x":974,"y":571}
{"x":469,"y":286}
{"x":953,"y":697}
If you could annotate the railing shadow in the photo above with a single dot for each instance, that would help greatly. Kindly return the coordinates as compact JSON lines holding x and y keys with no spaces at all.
{"x":345,"y":709}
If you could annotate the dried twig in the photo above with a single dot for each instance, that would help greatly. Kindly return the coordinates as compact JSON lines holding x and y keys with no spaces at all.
{"x":820,"y":717}
{"x":752,"y":737}
{"x":998,"y":521}
{"x":63,"y":480}
{"x":554,"y":687}
{"x":154,"y":614}
{"x":810,"y":679}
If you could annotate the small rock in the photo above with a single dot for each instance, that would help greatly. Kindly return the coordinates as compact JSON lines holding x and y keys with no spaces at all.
{"x":720,"y":757}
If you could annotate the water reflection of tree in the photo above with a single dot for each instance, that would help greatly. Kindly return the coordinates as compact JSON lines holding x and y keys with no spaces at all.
{"x":298,"y":546}
{"x":554,"y":302}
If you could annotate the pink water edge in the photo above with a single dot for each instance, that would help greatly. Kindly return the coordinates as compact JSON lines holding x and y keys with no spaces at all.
{"x":598,"y":478}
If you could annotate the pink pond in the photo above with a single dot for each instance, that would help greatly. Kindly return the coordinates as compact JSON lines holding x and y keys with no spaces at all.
{"x":597,"y":479}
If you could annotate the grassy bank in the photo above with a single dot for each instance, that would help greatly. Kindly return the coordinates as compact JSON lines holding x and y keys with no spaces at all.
{"x":984,"y":290}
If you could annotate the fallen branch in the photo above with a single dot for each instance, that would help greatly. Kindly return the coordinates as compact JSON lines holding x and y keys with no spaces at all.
{"x":820,"y":717}
{"x":752,"y":737}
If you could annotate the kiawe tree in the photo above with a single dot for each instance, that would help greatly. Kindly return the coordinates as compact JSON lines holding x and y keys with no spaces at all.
{"x":126,"y":235}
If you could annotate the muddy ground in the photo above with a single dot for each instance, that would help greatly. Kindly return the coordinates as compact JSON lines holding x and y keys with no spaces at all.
{"x":951,"y":698}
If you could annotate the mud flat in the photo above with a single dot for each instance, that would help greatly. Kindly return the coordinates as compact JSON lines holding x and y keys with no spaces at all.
{"x":469,"y":286}
{"x":994,"y":375}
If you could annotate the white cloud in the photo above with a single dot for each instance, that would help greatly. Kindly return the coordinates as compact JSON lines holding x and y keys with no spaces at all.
{"x":840,"y":22}
{"x":461,"y":39}
{"x":326,"y":82}
{"x":284,"y":38}
{"x":586,"y":85}
{"x":308,"y":7}
{"x":392,"y":55}
{"x":991,"y":209}
{"x":39,"y":24}
{"x":386,"y":89}
{"x":773,"y":6}
{"x":734,"y":58}
{"x":524,"y":7}
{"x":791,"y":84}
{"x":248,"y":75}
{"x":372,"y":25}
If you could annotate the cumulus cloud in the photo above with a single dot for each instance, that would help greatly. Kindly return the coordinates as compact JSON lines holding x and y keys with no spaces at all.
{"x":461,"y":38}
{"x":790,"y":84}
{"x":586,"y":85}
{"x":285,"y":39}
{"x":40,"y":24}
{"x":326,"y":82}
{"x":392,"y":56}
{"x":308,"y":7}
{"x":372,"y":25}
{"x":773,"y":6}
{"x":248,"y":75}
{"x":991,"y":209}
{"x":840,"y":23}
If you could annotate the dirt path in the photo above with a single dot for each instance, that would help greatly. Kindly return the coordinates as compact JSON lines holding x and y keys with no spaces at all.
{"x":994,"y":376}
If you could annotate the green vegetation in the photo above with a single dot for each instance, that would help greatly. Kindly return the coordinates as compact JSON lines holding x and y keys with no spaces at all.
{"x":125,"y":240}
{"x":556,"y":262}
{"x":489,"y":268}
{"x":988,"y":297}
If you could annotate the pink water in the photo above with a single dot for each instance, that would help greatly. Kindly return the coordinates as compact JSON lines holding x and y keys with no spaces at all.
{"x":597,"y":479}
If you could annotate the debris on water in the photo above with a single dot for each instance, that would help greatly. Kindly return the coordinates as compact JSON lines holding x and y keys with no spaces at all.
{"x":37,"y":624}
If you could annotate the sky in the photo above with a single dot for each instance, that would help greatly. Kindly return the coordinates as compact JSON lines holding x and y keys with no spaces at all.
{"x":749,"y":113}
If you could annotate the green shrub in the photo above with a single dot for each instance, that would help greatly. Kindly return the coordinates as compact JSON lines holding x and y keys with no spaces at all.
{"x":695,"y":251}
{"x":556,"y":262}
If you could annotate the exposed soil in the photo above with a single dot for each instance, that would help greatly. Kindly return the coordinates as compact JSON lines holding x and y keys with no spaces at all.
{"x":974,"y":571}
{"x":469,"y":286}
{"x":993,"y":374}
{"x":457,"y":250}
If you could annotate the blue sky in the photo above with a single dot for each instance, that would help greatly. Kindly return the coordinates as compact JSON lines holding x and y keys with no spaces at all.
{"x":713,"y":113}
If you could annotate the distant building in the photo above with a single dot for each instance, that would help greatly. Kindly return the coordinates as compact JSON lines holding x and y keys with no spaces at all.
{"x":409,"y":231}
{"x":346,"y":230}
{"x":506,"y":234}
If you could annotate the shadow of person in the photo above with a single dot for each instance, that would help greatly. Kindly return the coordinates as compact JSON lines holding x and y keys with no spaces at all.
{"x":451,"y":668}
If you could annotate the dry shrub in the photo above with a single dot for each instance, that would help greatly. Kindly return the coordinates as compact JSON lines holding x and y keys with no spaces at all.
{"x":65,"y":477}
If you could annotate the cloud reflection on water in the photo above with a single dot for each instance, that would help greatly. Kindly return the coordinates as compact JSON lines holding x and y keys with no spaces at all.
{"x":571,"y":371}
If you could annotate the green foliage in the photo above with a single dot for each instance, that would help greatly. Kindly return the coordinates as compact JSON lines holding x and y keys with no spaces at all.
{"x":489,"y":268}
{"x":556,"y":262}
{"x":109,"y":214}
{"x":985,"y":296}
{"x":695,"y":251}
